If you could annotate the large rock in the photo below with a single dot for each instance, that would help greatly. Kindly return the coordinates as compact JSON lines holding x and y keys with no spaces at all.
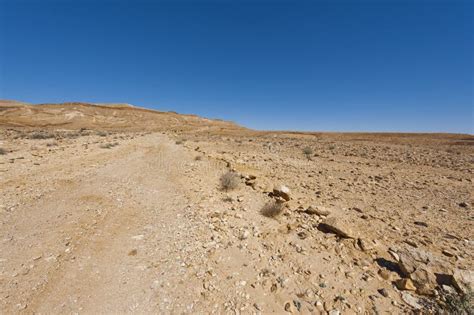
{"x":282,"y":191}
{"x":337,"y":225}
{"x":420,"y":267}
{"x":463,"y":280}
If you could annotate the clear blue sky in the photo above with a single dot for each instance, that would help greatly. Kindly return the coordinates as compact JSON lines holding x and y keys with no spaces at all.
{"x":306,"y":65}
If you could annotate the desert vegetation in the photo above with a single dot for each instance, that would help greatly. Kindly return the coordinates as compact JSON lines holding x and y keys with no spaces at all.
{"x":229,"y":181}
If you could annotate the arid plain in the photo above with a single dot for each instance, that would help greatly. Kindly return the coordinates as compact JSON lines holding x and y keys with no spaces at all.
{"x":117,"y":209}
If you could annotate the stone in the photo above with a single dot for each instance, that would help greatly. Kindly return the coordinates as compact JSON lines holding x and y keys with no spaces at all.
{"x":423,"y":278}
{"x":365,"y":245}
{"x":318,"y":210}
{"x":411,"y":300}
{"x":289,"y":307}
{"x":282,"y":191}
{"x":337,"y":226}
{"x":244,"y":235}
{"x":405,"y":285}
{"x":463,"y":280}
{"x":448,"y":253}
{"x":258,"y":306}
{"x":383,"y":292}
{"x":464,"y":204}
{"x":386,"y":275}
{"x":411,"y":258}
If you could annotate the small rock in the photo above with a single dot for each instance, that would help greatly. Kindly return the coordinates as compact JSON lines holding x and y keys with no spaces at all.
{"x":448,"y":253}
{"x":282,"y":191}
{"x":337,"y":226}
{"x":405,"y":284}
{"x":244,"y":235}
{"x":411,"y":300}
{"x":289,"y":307}
{"x":420,"y":223}
{"x":383,"y":292}
{"x":464,"y":204}
{"x":318,"y":210}
{"x":463,"y":280}
{"x":386,"y":275}
{"x":258,"y":306}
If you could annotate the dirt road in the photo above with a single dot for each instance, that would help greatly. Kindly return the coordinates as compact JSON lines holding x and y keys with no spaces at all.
{"x":106,"y":233}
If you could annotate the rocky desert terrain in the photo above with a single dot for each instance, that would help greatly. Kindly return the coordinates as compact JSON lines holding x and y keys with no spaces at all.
{"x":110,"y":209}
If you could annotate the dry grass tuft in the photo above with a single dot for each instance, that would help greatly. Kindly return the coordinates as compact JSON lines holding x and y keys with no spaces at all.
{"x":230,"y":181}
{"x":41,"y":135}
{"x":454,"y":303}
{"x":308,"y":152}
{"x":272,"y":209}
{"x":3,"y":151}
{"x":109,"y":145}
{"x":180,"y":141}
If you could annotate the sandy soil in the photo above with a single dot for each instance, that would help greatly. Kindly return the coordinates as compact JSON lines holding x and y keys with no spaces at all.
{"x":137,"y":222}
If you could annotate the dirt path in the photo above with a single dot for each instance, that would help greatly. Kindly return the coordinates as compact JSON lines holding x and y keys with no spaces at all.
{"x":110,"y":240}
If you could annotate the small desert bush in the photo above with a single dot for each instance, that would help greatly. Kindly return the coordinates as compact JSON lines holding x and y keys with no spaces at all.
{"x":272,"y":209}
{"x":229,"y":181}
{"x":52,"y":144}
{"x":198,"y":158}
{"x":180,"y":141}
{"x":41,"y":135}
{"x":457,"y":303}
{"x":102,"y":133}
{"x":3,"y":151}
{"x":109,"y":145}
{"x":308,"y":152}
{"x":72,"y":135}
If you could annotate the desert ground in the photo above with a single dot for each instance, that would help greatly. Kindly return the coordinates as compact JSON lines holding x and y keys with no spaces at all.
{"x":111,"y":209}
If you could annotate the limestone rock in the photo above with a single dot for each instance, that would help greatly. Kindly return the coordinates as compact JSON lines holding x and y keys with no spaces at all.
{"x":282,"y":191}
{"x":463,"y":280}
{"x":337,"y":226}
{"x":405,"y":284}
{"x":318,"y":210}
{"x":411,"y":300}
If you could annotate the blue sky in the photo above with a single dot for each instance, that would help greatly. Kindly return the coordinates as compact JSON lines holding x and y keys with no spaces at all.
{"x":302,"y":65}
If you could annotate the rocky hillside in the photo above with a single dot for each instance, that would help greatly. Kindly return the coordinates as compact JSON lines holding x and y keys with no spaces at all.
{"x":103,"y":116}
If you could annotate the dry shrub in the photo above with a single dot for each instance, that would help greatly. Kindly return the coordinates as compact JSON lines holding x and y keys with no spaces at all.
{"x":41,"y":135}
{"x":109,"y":145}
{"x":198,"y":158}
{"x":3,"y":151}
{"x":229,"y":181}
{"x":272,"y":209}
{"x":308,"y":152}
{"x":102,"y":133}
{"x":454,"y":303}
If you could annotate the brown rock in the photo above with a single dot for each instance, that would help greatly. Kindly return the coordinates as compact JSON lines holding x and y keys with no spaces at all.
{"x":318,"y":210}
{"x":282,"y":191}
{"x":337,"y":226}
{"x":423,"y":278}
{"x":405,"y":284}
{"x":463,"y":280}
{"x":386,"y":275}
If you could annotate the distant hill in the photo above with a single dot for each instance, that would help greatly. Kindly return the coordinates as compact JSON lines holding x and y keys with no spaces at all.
{"x":103,"y":116}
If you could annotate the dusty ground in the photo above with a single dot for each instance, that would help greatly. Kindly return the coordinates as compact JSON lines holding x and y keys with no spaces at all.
{"x":136,"y":222}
